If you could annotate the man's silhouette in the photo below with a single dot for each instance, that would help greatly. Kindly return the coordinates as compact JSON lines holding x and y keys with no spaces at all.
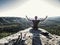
{"x":36,"y":22}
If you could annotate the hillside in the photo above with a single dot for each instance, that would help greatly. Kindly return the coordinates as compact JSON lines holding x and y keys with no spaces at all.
{"x":51,"y":21}
{"x":52,"y":24}
{"x":11,"y":25}
{"x":16,"y":21}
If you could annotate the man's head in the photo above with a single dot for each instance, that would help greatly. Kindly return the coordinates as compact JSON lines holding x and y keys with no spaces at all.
{"x":35,"y":17}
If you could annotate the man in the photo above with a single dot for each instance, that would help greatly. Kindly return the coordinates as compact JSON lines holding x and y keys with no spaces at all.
{"x":36,"y":22}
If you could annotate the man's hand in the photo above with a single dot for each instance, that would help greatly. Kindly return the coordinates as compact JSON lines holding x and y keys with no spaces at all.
{"x":43,"y":19}
{"x":28,"y":18}
{"x":46,"y":16}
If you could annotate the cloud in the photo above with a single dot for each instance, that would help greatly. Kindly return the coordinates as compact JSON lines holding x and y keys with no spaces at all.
{"x":6,"y":2}
{"x":9,"y":3}
{"x":54,"y":2}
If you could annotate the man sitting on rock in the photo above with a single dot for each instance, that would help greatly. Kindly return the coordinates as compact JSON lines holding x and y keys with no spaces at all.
{"x":36,"y":22}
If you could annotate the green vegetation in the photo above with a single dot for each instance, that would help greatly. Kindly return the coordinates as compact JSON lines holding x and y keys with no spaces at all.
{"x":53,"y":30}
{"x":52,"y":25}
{"x":7,"y":30}
{"x":4,"y":34}
{"x":11,"y":25}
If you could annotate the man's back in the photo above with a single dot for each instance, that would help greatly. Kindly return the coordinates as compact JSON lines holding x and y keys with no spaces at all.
{"x":35,"y":24}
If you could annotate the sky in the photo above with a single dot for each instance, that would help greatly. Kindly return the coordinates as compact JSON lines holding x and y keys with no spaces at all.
{"x":30,"y":8}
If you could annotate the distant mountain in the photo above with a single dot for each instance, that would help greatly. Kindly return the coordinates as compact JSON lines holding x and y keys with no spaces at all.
{"x":18,"y":23}
{"x":10,"y":20}
{"x":51,"y":21}
{"x":13,"y":23}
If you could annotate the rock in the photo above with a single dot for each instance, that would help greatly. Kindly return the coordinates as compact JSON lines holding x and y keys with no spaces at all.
{"x":38,"y":37}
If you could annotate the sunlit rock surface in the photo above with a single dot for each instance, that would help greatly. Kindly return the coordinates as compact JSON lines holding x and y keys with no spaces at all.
{"x":33,"y":37}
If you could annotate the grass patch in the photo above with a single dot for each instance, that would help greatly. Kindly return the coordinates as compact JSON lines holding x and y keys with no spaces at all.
{"x":52,"y":30}
{"x":5,"y":34}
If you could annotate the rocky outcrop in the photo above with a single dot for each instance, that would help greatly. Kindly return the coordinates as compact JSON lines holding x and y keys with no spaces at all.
{"x":32,"y":37}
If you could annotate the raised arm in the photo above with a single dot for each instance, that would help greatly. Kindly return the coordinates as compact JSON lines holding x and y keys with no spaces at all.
{"x":44,"y":18}
{"x":28,"y":18}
